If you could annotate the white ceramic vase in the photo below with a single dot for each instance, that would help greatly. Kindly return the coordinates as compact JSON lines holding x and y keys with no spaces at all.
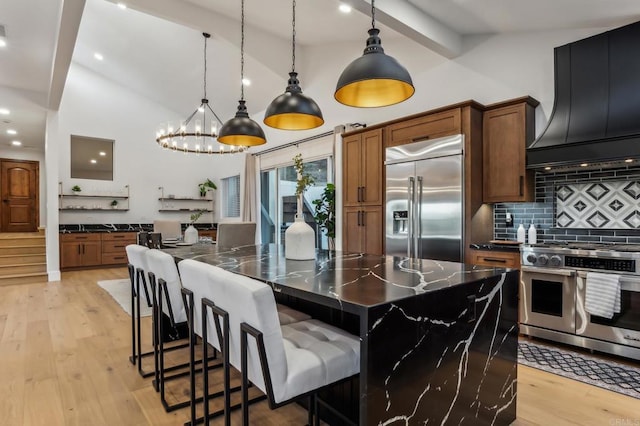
{"x":299,"y":238}
{"x":191,"y":235}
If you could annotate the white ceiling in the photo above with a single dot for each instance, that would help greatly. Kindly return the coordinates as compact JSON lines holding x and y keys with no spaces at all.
{"x":155,"y":47}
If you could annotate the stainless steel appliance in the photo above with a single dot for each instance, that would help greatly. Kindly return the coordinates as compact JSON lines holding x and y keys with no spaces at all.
{"x":553,"y":289}
{"x":424,"y":199}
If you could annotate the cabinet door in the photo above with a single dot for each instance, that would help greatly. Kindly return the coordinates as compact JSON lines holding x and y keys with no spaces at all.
{"x":430,"y":126}
{"x":372,"y":168}
{"x":496,"y":258}
{"x":70,"y":254}
{"x":91,"y":253}
{"x":372,"y":229}
{"x":504,"y":140}
{"x":351,"y":159}
{"x":352,"y":230}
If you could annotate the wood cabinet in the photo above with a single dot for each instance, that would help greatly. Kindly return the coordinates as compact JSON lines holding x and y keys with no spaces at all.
{"x":363,"y":161}
{"x":430,"y":126}
{"x":363,"y":229}
{"x":211,"y":233}
{"x":113,"y":247}
{"x":78,"y":250}
{"x":363,"y":195}
{"x":94,"y":249}
{"x":499,"y":259}
{"x":508,"y":128}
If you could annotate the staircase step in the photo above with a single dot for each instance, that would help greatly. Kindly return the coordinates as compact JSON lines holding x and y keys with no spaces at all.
{"x":22,"y":269}
{"x":23,"y":249}
{"x":24,"y":240}
{"x":22,"y":259}
{"x":24,"y":279}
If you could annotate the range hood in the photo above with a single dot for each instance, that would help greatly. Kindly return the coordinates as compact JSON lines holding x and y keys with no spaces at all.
{"x":596,"y":112}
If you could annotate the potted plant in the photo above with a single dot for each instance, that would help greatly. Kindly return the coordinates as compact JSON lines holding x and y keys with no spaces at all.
{"x":114,"y":204}
{"x":299,"y":238}
{"x":205,"y":186}
{"x":325,"y":215}
{"x":191,"y":233}
{"x":76,"y":189}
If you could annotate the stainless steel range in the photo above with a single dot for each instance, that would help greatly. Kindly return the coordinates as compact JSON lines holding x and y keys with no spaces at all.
{"x":553,"y":288}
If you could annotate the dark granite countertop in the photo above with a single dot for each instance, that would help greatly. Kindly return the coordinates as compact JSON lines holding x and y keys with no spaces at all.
{"x":123,"y":227}
{"x":354,"y":281}
{"x":495,"y":247}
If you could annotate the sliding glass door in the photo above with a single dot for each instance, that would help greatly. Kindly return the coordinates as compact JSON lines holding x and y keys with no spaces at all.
{"x":278,"y":200}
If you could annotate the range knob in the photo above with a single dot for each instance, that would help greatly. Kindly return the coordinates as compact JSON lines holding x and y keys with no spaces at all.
{"x":543,"y":259}
{"x":531,"y":258}
{"x":555,"y":261}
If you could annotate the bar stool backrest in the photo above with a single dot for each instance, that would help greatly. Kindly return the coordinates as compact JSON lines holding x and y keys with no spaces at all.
{"x":163,"y":266}
{"x":236,"y":234}
{"x":251,"y":301}
{"x":136,"y":257}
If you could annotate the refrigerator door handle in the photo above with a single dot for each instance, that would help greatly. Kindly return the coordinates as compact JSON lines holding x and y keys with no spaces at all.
{"x":410,"y":191}
{"x":419,"y":220}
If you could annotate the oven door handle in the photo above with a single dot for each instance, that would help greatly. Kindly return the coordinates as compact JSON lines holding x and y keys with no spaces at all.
{"x":562,"y":272}
{"x":627,"y":283}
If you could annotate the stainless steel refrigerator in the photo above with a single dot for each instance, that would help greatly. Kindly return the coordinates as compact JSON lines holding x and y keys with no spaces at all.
{"x":424,"y":199}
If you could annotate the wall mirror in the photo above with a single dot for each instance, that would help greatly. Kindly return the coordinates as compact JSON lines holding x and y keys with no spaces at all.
{"x":91,"y":158}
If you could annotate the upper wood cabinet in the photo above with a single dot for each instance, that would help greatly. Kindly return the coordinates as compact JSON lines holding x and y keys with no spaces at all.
{"x":431,"y":126}
{"x":363,"y":168}
{"x":508,"y":128}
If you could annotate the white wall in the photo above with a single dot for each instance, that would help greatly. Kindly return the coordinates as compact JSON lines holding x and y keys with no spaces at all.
{"x":31,"y":155}
{"x":93,"y":106}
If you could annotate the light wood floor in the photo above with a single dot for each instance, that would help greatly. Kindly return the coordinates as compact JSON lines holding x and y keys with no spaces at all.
{"x":64,"y":350}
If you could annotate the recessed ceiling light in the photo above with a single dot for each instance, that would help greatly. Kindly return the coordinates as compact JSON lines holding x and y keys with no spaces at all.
{"x":11,"y":132}
{"x":122,"y":6}
{"x":102,"y":153}
{"x":98,"y":56}
{"x":583,"y":165}
{"x":547,"y":168}
{"x":4,"y":111}
{"x":246,"y":82}
{"x":344,"y":8}
{"x":3,"y":42}
{"x":16,"y":143}
{"x":628,"y":160}
{"x":93,"y":161}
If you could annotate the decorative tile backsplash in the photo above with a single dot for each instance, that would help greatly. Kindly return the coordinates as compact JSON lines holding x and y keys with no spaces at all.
{"x":601,"y":205}
{"x":543,"y":211}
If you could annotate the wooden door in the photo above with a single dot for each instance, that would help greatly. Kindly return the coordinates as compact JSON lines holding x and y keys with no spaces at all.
{"x":91,"y":253}
{"x":70,"y":254}
{"x":373,"y":229}
{"x":352,"y":230}
{"x":19,"y":191}
{"x":372,"y":167}
{"x":351,"y":160}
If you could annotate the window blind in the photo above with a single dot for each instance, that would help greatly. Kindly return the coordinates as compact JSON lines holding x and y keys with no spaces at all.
{"x":231,"y":193}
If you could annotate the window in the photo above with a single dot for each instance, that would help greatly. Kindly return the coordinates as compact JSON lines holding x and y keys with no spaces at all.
{"x":231,"y":196}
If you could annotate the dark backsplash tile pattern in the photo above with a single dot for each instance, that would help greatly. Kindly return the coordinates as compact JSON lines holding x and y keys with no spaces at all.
{"x":542,"y":212}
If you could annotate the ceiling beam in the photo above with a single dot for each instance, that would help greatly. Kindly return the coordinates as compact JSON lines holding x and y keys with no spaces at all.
{"x":70,"y":17}
{"x":413,"y":23}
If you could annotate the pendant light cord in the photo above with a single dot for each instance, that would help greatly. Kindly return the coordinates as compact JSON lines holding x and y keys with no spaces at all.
{"x":373,"y":14}
{"x":205,"y":66}
{"x":293,"y":39}
{"x":242,"y":52}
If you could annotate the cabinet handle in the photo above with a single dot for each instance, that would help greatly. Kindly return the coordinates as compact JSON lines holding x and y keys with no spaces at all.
{"x":118,"y":257}
{"x":358,"y":217}
{"x":79,"y":252}
{"x":521,"y":186}
{"x":118,"y":246}
{"x":420,"y":138}
{"x":359,"y":193}
{"x":363,"y":217}
{"x":493,"y":259}
{"x":362,"y":197}
{"x":118,"y":236}
{"x":83,"y":249}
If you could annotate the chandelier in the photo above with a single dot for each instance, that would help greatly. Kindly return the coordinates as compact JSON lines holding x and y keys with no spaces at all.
{"x":198,"y":133}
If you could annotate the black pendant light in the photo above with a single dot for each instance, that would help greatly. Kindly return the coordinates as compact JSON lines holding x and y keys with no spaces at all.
{"x":374,"y":79}
{"x":241,"y":130}
{"x":292,"y":110}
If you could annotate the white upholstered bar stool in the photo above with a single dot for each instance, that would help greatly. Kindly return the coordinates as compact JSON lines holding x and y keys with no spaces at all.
{"x":167,"y":296}
{"x":286,"y":362}
{"x":137,"y":274}
{"x":200,"y":294}
{"x":236,"y":234}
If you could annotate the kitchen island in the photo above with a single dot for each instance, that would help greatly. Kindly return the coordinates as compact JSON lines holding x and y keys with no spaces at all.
{"x":438,"y":339}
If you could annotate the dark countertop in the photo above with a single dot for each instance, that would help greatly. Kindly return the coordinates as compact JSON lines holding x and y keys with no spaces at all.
{"x":354,"y":281}
{"x":495,"y":247}
{"x":123,"y":227}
